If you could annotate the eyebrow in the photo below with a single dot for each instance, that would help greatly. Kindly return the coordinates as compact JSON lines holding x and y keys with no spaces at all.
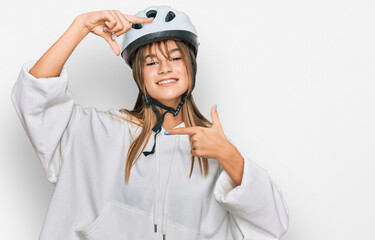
{"x":171,"y":51}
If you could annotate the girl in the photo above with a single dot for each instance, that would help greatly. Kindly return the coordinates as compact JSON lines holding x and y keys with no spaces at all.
{"x":112,"y":180}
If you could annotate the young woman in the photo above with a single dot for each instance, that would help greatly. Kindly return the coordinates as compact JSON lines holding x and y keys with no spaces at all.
{"x":118,"y":174}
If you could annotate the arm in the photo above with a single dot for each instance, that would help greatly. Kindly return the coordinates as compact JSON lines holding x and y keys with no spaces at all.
{"x":44,"y":104}
{"x":232,"y":161}
{"x":52,"y":61}
{"x":245,"y":190}
{"x":41,"y":97}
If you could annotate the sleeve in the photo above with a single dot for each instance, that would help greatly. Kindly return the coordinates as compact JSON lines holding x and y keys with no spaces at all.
{"x":47,"y":113}
{"x":257,"y":204}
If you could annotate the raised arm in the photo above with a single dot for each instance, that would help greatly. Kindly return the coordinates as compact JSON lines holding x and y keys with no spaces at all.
{"x":113,"y":21}
{"x":53,"y":60}
{"x":41,"y":97}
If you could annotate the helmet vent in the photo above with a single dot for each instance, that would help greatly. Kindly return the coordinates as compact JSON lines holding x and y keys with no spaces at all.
{"x":151,"y":14}
{"x":136,"y":26}
{"x":170,"y":16}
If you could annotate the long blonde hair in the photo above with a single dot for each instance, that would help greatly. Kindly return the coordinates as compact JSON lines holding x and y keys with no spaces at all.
{"x":146,"y":118}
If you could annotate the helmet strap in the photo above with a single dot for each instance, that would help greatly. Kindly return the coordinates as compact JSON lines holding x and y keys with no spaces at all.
{"x":160,"y":119}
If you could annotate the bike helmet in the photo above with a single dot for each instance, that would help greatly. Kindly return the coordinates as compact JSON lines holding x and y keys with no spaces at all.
{"x":168,"y":24}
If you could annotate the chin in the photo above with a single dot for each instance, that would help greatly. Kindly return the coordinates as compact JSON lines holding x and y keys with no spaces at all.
{"x":170,"y":100}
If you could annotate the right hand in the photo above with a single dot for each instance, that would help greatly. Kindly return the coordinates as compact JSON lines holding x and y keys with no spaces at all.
{"x":113,"y":21}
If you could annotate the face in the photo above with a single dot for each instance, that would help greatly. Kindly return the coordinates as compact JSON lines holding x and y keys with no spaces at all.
{"x":160,"y":68}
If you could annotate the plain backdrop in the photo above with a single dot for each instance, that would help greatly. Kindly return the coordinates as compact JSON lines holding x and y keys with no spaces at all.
{"x":294,"y":85}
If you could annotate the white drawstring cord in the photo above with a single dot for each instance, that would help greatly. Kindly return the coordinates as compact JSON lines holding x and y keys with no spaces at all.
{"x":170,"y":178}
{"x":156,"y":186}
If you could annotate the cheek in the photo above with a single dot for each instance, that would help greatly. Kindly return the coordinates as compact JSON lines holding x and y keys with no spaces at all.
{"x":148,"y":78}
{"x":182,"y":70}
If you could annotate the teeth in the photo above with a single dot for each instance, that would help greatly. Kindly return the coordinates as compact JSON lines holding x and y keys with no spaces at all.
{"x":166,"y":81}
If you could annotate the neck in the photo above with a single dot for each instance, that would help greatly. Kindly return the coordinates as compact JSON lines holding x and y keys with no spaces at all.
{"x":171,"y":121}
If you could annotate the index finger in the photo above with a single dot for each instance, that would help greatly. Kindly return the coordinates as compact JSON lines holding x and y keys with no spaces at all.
{"x":183,"y":130}
{"x":136,"y":19}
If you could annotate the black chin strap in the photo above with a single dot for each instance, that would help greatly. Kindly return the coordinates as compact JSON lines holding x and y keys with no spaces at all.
{"x":157,"y":128}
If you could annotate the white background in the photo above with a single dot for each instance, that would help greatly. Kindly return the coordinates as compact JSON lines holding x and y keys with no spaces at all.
{"x":294,"y":84}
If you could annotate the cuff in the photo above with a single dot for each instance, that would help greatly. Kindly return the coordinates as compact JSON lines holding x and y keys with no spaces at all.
{"x":226,"y":190}
{"x":44,"y":86}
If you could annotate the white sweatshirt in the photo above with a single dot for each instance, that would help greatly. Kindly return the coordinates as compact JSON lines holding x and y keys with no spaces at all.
{"x":83,"y":152}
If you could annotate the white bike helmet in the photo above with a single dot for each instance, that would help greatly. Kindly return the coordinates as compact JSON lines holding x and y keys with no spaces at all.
{"x":168,"y":23}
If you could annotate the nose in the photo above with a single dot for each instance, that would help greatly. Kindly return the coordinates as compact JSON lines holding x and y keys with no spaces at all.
{"x":165,"y":67}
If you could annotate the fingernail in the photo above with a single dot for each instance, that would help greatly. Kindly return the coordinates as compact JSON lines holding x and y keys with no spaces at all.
{"x":166,"y":133}
{"x":105,"y":30}
{"x":216,"y":107}
{"x":114,"y":37}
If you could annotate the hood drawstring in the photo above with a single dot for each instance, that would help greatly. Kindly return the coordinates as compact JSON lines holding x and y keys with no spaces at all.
{"x":156,"y":189}
{"x":156,"y":192}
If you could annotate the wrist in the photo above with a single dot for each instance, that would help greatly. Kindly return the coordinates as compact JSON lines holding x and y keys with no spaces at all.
{"x":79,"y":25}
{"x":226,"y":151}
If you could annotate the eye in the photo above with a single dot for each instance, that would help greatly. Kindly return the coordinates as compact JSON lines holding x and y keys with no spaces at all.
{"x":151,"y":63}
{"x":176,"y":58}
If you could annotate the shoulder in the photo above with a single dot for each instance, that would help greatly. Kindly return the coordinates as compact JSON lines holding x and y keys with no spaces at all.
{"x":131,"y":123}
{"x":121,"y":114}
{"x":95,"y":116}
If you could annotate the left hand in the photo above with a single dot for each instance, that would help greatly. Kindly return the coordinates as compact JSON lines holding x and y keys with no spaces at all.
{"x":205,"y":142}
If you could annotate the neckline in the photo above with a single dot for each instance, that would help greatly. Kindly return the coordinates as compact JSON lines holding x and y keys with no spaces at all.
{"x":179,"y":125}
{"x":125,"y":115}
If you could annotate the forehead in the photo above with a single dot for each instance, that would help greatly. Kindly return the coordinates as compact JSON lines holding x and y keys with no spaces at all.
{"x":154,"y":48}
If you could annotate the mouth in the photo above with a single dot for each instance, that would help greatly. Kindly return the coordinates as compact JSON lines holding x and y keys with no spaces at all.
{"x":166,"y":82}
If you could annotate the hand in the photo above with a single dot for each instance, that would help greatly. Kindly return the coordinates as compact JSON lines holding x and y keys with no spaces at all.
{"x":113,"y":21}
{"x":205,"y":142}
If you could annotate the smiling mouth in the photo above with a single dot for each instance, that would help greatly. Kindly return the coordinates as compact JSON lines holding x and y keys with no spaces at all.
{"x":168,"y":82}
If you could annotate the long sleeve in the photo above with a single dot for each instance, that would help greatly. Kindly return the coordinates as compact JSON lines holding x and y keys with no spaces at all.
{"x":47,"y":113}
{"x":257,"y":204}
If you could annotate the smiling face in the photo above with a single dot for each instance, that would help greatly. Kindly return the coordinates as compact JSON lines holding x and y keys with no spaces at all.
{"x":165,"y":79}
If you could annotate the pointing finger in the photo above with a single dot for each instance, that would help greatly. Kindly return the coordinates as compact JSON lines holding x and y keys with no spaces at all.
{"x":136,"y":19}
{"x":182,"y":130}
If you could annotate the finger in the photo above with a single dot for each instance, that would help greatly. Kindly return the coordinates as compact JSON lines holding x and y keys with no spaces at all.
{"x":115,"y":47}
{"x":119,"y":26}
{"x":184,"y":130}
{"x":194,"y":153}
{"x":194,"y":144}
{"x":136,"y":19}
{"x":215,"y":117}
{"x":125,"y":23}
{"x":111,"y":21}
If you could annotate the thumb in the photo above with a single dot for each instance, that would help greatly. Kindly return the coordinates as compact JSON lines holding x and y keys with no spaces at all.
{"x":215,"y":116}
{"x":112,"y":43}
